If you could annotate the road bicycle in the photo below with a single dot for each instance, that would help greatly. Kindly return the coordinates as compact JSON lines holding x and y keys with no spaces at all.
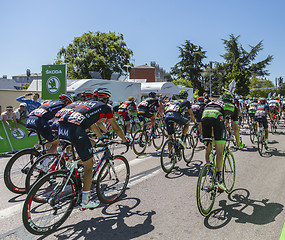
{"x":134,"y":124}
{"x":230,"y":137}
{"x":195,"y":132}
{"x":261,"y":145}
{"x":274,"y":123}
{"x":144,"y":137}
{"x":173,"y":151}
{"x":53,"y":197}
{"x":19,"y":165}
{"x":253,"y":131}
{"x":206,"y":188}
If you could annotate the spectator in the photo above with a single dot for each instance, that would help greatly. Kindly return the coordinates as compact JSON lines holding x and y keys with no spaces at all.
{"x":9,"y":115}
{"x":32,"y":104}
{"x":21,"y":113}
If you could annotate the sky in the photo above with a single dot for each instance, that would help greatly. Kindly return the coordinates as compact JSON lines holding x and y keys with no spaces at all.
{"x":33,"y":31}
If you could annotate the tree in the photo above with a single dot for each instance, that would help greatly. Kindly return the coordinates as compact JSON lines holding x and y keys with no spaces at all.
{"x":101,"y":52}
{"x":241,"y":77}
{"x":183,"y":82}
{"x":281,"y":90}
{"x":190,"y":66}
{"x":256,"y":84}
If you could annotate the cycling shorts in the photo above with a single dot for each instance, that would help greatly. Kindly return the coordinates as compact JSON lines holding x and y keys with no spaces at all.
{"x":262,"y":120}
{"x":78,"y":137}
{"x":42,"y":126}
{"x":144,"y":113}
{"x":172,"y":117}
{"x":218,"y":127}
{"x":125,"y":115}
{"x":198,"y":115}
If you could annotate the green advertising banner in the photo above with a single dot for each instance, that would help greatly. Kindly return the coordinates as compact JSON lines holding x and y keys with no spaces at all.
{"x":53,"y":81}
{"x":15,"y":140}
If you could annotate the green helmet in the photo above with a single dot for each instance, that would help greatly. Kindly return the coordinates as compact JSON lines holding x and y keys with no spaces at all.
{"x":228,"y":97}
{"x":183,"y":94}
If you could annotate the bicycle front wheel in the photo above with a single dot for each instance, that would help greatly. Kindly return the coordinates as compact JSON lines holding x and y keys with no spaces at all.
{"x":252,"y":134}
{"x":168,"y":156}
{"x":260,"y":145}
{"x":58,"y":198}
{"x":139,"y":142}
{"x":135,"y":127}
{"x":229,"y":171}
{"x":158,"y":139}
{"x":113,"y":179}
{"x":195,"y":134}
{"x":188,"y":151}
{"x":206,"y":191}
{"x":17,"y":169}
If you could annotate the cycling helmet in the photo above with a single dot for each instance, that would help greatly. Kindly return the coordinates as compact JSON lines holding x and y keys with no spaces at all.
{"x":152,"y":95}
{"x":276,"y":98}
{"x":102,"y":93}
{"x":261,"y":100}
{"x":183,"y":94}
{"x":131,"y":98}
{"x":228,"y":97}
{"x":66,"y":97}
{"x":86,"y":95}
{"x":254,"y":100}
{"x":201,"y":99}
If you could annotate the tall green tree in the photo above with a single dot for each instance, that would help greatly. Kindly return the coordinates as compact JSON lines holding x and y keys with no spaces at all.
{"x":190,"y":66}
{"x":101,"y":52}
{"x":256,"y":84}
{"x":183,"y":82}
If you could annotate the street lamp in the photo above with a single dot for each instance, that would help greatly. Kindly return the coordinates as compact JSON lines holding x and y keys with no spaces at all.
{"x":210,"y":66}
{"x":128,"y":66}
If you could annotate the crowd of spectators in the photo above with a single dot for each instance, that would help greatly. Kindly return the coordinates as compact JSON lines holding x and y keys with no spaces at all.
{"x":22,"y":112}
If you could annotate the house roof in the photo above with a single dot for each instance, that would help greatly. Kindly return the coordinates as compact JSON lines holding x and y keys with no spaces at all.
{"x":8,"y":84}
{"x":144,"y":66}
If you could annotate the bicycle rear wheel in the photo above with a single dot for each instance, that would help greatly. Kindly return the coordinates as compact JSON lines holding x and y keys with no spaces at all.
{"x":252,"y":134}
{"x":195,"y":134}
{"x":135,"y":127}
{"x":36,"y":171}
{"x":229,"y":171}
{"x":56,"y":204}
{"x":158,"y":139}
{"x":260,"y":144}
{"x":206,"y":192}
{"x":113,"y":179}
{"x":188,"y":151}
{"x":168,"y":156}
{"x":139,"y":142}
{"x":17,"y":169}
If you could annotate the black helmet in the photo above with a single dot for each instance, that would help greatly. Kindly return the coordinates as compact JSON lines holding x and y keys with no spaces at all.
{"x":228,"y":97}
{"x":152,"y":95}
{"x":183,"y":94}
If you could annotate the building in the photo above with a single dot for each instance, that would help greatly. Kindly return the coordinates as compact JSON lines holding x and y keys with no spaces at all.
{"x":143,"y":72}
{"x":8,"y":84}
{"x":22,"y":79}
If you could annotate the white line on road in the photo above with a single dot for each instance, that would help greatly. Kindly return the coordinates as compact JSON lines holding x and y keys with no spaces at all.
{"x":10,"y":211}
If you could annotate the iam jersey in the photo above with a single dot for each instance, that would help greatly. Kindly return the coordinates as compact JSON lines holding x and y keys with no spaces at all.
{"x":48,"y":110}
{"x":87,"y":113}
{"x":125,"y":106}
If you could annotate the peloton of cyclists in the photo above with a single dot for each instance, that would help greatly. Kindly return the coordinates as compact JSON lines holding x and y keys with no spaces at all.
{"x":252,"y":109}
{"x":213,"y":121}
{"x":198,"y":109}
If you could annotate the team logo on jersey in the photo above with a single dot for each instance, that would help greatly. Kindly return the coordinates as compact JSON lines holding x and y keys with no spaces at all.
{"x":53,"y":84}
{"x":19,"y":134}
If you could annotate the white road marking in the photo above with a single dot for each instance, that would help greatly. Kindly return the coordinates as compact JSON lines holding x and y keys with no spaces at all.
{"x":10,"y":211}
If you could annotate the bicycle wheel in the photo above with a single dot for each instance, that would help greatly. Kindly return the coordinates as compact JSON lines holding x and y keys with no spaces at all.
{"x":260,"y":145}
{"x":135,"y":127}
{"x":17,"y":168}
{"x":168,"y":156}
{"x":139,"y":142}
{"x":36,"y":171}
{"x":158,"y":139}
{"x":229,"y":171}
{"x":206,"y":192}
{"x":113,"y":179}
{"x":188,"y":151}
{"x":272,"y":128}
{"x":195,"y":134}
{"x":252,"y":134}
{"x":58,"y":199}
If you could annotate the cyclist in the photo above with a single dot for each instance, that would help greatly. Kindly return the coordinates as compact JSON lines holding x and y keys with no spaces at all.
{"x":124,"y":110}
{"x":72,"y":127}
{"x":38,"y":119}
{"x":198,"y":109}
{"x":262,"y":110}
{"x":252,"y":109}
{"x":274,"y":106}
{"x":207,"y":100}
{"x":213,"y":121}
{"x":147,"y":108}
{"x":178,"y":111}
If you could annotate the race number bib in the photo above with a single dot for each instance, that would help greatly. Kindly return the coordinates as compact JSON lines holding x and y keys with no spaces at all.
{"x":76,"y":118}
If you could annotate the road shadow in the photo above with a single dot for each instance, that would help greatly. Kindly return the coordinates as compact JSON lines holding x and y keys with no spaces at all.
{"x":18,"y":198}
{"x":243,"y":210}
{"x":112,"y":225}
{"x":192,"y":170}
{"x":275,"y":152}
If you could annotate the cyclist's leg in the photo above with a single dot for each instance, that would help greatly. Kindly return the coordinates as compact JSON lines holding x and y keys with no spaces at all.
{"x":128,"y":124}
{"x":207,"y":133}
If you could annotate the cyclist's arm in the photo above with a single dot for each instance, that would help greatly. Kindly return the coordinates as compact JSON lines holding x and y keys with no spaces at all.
{"x":117,"y":129}
{"x":192,"y":115}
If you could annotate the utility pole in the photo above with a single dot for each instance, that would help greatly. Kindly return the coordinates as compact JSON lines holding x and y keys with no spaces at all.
{"x":210,"y":65}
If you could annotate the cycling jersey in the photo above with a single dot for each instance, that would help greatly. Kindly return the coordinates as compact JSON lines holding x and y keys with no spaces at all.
{"x":274,"y":106}
{"x":198,"y":109}
{"x":252,"y":108}
{"x":147,"y":108}
{"x":125,"y":107}
{"x":261,"y":110}
{"x":88,"y":112}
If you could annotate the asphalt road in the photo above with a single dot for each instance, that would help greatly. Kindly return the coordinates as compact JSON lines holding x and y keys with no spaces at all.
{"x":160,"y":206}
